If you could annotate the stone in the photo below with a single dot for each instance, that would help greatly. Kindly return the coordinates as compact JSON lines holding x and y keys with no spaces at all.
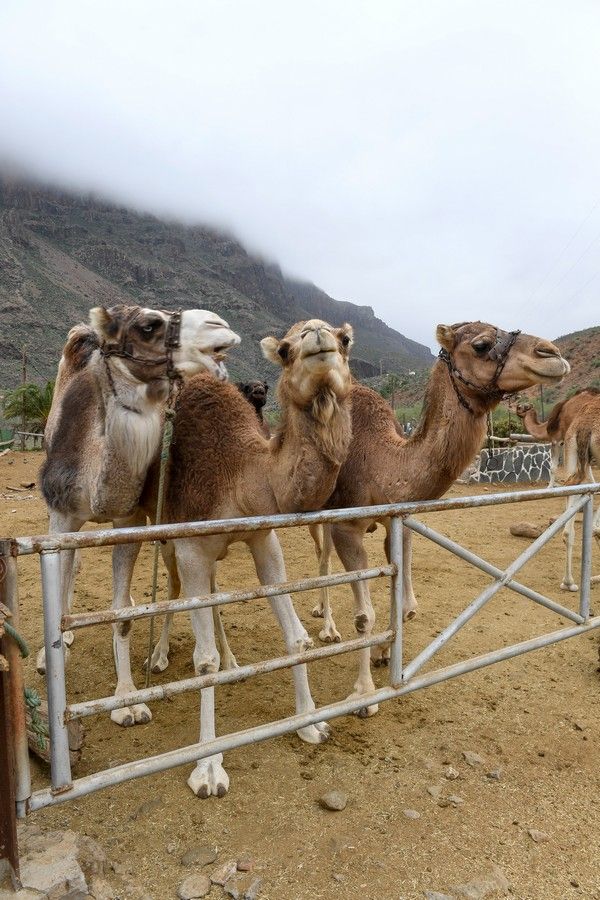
{"x":52,"y":865}
{"x":451,"y":773}
{"x":486,"y":884}
{"x":201,"y":855}
{"x":411,"y":813}
{"x":494,"y":775}
{"x":101,"y":889}
{"x":147,"y":808}
{"x":224,"y":872}
{"x":194,"y":886}
{"x":472,"y":759}
{"x":435,"y":791}
{"x":526,"y":530}
{"x":540,"y":837}
{"x":242,"y":887}
{"x":245,"y":863}
{"x":452,"y":800}
{"x":334,"y":800}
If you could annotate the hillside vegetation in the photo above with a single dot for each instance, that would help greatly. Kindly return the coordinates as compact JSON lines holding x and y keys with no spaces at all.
{"x":61,"y":254}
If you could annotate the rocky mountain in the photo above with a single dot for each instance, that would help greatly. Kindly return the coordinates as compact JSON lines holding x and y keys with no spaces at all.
{"x":62,"y":253}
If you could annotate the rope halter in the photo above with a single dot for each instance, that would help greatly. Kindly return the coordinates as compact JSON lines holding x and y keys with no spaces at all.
{"x":498,"y":353}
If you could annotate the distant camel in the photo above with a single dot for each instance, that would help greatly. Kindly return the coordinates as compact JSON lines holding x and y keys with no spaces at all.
{"x":255,"y":393}
{"x":555,"y":428}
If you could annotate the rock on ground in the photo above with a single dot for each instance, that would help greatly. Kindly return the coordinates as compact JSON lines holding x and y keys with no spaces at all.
{"x":193,"y":887}
{"x":526,"y":530}
{"x":488,"y":884}
{"x":334,"y":800}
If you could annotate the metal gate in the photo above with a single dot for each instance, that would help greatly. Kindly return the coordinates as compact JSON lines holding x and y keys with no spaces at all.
{"x":403,"y":677}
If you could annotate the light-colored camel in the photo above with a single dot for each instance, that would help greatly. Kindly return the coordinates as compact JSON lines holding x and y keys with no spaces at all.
{"x":555,"y":428}
{"x":221,"y":467}
{"x":104,"y":431}
{"x":479,"y":363}
{"x":582,"y":450}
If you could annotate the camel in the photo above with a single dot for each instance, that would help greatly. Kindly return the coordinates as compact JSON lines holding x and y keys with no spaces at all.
{"x":255,"y":393}
{"x":222,"y":467}
{"x":104,"y":431}
{"x":555,"y":428}
{"x":582,"y":448}
{"x":477,"y":366}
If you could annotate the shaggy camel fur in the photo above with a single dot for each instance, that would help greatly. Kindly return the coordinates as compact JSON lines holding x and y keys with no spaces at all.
{"x":481,"y":364}
{"x":255,"y":393}
{"x":104,"y":431}
{"x":582,"y":450}
{"x":555,"y":428}
{"x":221,"y":467}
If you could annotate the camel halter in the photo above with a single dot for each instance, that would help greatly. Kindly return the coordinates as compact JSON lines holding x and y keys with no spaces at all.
{"x":498,"y":353}
{"x":172,"y":343}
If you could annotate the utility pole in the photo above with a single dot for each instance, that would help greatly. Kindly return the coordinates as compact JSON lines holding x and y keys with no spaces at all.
{"x":23,"y":381}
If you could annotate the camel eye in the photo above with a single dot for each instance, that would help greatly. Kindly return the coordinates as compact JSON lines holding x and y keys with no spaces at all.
{"x":149,"y":327}
{"x":345,"y":341}
{"x":482,"y":346}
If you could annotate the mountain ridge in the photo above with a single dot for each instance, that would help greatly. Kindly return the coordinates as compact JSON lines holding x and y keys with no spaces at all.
{"x":62,"y":252}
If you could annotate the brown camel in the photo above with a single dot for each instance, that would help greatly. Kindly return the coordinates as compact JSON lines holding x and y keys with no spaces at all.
{"x":104,"y":431}
{"x":255,"y":393}
{"x":478,"y":364}
{"x":582,"y":450}
{"x":221,"y":467}
{"x":555,"y":428}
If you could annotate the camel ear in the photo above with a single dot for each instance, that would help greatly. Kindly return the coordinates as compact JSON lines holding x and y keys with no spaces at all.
{"x":444,"y":335}
{"x":102,"y":322}
{"x":270,"y":350}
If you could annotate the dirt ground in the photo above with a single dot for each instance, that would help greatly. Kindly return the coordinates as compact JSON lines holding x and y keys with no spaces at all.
{"x":536,"y":719}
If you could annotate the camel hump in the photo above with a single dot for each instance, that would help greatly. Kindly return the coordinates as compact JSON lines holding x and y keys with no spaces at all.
{"x":553,"y":424}
{"x":82,"y":340}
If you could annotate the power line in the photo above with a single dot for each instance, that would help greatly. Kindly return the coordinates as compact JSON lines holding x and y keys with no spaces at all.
{"x":565,"y":248}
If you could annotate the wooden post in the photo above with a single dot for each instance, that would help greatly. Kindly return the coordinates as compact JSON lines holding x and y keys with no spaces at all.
{"x":23,"y":381}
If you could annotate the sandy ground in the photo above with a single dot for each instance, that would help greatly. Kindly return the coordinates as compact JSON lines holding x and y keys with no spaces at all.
{"x":537,"y":719}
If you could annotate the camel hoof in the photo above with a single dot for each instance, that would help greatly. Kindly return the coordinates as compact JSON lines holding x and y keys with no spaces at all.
{"x":317,"y":611}
{"x":209,"y":779}
{"x":123,"y":717}
{"x":330,"y":635}
{"x":367,"y":711}
{"x":158,"y":665}
{"x":314,"y":734}
{"x":569,"y":587}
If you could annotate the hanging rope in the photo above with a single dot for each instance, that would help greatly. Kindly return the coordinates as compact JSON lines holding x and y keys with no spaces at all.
{"x":164,"y":458}
{"x":12,"y":632}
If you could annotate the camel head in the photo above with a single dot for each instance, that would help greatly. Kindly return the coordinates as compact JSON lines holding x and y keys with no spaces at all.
{"x":522,"y":409}
{"x":255,"y":392}
{"x":487,"y":362}
{"x":137,"y":340}
{"x":314,"y":358}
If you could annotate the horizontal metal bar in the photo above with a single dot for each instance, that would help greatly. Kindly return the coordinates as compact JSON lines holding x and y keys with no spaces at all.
{"x":108,"y":536}
{"x":438,"y":642}
{"x":186,"y":755}
{"x":222,"y":598}
{"x":160,"y":691}
{"x":490,"y":569}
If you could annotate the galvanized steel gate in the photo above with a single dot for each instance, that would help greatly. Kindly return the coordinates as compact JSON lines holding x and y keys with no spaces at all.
{"x":403,"y":678}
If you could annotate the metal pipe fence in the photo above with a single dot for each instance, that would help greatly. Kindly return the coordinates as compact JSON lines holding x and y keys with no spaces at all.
{"x":403,"y":676}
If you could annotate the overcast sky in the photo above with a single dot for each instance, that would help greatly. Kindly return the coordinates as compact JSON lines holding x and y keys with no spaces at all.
{"x":439,"y":161}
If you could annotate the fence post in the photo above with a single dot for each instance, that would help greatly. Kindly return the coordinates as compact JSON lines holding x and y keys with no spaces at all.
{"x":586,"y":558}
{"x":9,"y":849}
{"x":397,"y":598}
{"x":60,"y":763}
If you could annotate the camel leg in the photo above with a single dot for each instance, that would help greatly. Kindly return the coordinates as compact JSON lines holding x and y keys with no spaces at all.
{"x":596,"y":533}
{"x":349,"y":545}
{"x":554,"y":462}
{"x":123,"y":562}
{"x":195,"y":561}
{"x":270,"y":568}
{"x":160,"y":654}
{"x":329,"y":632}
{"x":571,"y":465}
{"x":70,"y":563}
{"x":380,"y":655}
{"x":228,"y":660}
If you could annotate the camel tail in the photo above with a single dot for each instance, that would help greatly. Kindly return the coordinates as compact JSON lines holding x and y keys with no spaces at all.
{"x":584,"y":455}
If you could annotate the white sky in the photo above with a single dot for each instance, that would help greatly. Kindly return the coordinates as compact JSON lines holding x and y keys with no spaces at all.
{"x":439,"y":161}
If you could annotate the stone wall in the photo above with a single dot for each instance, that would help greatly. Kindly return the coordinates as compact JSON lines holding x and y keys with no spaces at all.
{"x":521,"y":463}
